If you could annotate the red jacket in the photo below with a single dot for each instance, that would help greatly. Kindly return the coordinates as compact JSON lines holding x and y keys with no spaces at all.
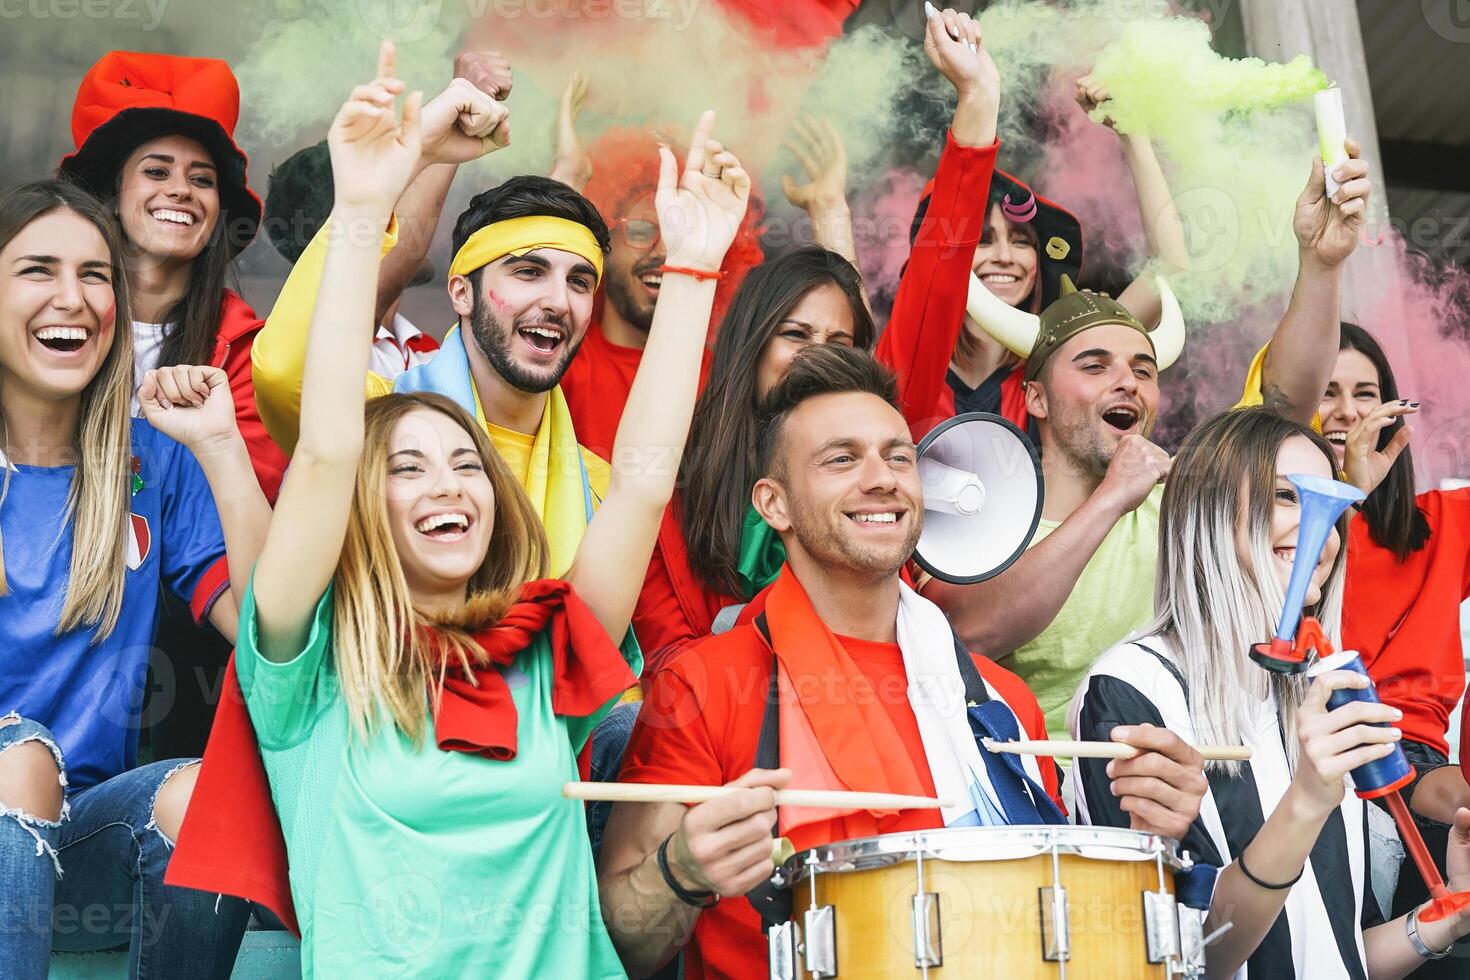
{"x":238,"y":326}
{"x":929,"y":310}
{"x":1404,"y":617}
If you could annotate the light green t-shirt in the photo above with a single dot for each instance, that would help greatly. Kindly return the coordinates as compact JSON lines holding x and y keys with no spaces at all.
{"x":1113,"y":596}
{"x":411,"y":861}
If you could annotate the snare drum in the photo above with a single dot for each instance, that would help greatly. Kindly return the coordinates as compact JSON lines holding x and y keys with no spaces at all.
{"x":1014,"y":902}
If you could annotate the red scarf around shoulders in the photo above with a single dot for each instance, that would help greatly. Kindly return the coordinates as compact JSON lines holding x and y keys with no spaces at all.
{"x":231,"y":841}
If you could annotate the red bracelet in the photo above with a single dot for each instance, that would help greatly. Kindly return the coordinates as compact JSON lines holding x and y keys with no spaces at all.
{"x":700,"y":274}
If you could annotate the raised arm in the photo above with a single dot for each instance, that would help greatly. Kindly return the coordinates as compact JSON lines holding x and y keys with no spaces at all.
{"x":817,"y":146}
{"x":929,"y":310}
{"x":193,"y":406}
{"x":460,"y":124}
{"x":417,"y":218}
{"x":373,"y":158}
{"x":699,"y":213}
{"x":478,"y":75}
{"x":1163,"y":232}
{"x":1303,"y":349}
{"x":571,"y":166}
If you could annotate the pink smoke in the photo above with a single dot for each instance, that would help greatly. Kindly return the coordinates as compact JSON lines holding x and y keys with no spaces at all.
{"x":882,"y":212}
{"x":1418,"y":316}
{"x":1082,"y":168}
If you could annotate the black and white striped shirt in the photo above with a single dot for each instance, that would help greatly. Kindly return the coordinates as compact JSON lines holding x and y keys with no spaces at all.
{"x":1319,"y":934}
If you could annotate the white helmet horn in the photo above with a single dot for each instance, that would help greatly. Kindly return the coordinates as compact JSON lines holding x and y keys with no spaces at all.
{"x":1168,"y":336}
{"x":1014,"y":328}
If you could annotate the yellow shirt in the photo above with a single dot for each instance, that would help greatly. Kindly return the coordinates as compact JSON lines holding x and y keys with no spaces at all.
{"x":513,"y":447}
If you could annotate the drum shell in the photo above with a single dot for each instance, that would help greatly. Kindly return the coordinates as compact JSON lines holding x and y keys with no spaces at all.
{"x":990,"y":913}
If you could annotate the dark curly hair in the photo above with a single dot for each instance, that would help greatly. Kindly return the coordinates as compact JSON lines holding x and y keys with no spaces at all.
{"x":298,"y":200}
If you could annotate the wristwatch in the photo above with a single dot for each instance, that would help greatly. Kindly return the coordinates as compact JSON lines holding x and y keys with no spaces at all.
{"x":1412,"y":924}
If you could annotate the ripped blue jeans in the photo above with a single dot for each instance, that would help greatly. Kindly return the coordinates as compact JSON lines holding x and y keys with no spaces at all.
{"x":94,"y":880}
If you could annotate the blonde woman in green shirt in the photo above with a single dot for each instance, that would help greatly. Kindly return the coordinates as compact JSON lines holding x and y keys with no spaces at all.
{"x":415,"y":759}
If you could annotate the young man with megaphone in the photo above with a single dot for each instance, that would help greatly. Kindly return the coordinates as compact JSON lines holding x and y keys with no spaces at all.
{"x":815,"y":694}
{"x":1092,"y":385}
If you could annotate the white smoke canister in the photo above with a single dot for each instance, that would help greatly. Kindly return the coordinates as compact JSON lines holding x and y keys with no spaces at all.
{"x":1331,"y":132}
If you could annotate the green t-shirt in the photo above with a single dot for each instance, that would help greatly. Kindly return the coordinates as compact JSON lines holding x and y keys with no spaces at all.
{"x":1113,"y":596}
{"x":411,"y":861}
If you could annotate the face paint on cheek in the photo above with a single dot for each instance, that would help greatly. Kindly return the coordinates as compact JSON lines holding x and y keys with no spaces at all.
{"x":502,"y":308}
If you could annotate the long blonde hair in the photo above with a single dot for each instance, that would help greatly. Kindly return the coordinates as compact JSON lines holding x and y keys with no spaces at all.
{"x":1211,"y":608}
{"x":389,"y":654}
{"x":97,"y":502}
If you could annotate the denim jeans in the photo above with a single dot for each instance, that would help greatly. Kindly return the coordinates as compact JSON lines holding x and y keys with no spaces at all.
{"x":93,"y":880}
{"x":609,"y":739}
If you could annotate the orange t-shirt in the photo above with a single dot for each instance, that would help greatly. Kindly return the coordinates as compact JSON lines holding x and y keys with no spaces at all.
{"x":700,"y":723}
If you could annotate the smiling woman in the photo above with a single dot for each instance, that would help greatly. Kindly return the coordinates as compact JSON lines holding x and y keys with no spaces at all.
{"x":99,"y":514}
{"x":154,"y":142}
{"x":1227,"y":542}
{"x":1406,"y":580}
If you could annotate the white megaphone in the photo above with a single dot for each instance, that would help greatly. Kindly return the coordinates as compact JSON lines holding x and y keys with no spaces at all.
{"x":982,"y":497}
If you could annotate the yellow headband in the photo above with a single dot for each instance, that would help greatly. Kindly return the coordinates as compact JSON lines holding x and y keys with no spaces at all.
{"x":517,"y":236}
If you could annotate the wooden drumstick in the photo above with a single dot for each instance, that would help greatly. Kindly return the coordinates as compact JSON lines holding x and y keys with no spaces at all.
{"x":821,"y":798}
{"x":1108,"y":750}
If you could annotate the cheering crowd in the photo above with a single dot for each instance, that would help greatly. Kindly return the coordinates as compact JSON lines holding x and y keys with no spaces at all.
{"x":647,"y":514}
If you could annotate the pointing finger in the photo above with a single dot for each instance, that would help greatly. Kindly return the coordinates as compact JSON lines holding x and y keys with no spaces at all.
{"x":387,"y":60}
{"x":695,"y":160}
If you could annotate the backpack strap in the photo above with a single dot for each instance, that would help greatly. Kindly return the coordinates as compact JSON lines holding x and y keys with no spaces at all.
{"x":768,"y":746}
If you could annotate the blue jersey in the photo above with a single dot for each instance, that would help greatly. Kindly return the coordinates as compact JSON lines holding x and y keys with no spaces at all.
{"x":90,"y":692}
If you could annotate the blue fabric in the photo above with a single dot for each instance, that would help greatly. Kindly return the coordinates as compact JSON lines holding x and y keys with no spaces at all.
{"x":1196,"y":886}
{"x":609,"y":740}
{"x":27,"y":843}
{"x":447,"y":373}
{"x":90,"y":692}
{"x":1023,"y":801}
{"x":94,"y":880}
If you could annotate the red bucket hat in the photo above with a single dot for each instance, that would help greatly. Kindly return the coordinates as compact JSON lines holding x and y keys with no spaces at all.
{"x":128,"y":98}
